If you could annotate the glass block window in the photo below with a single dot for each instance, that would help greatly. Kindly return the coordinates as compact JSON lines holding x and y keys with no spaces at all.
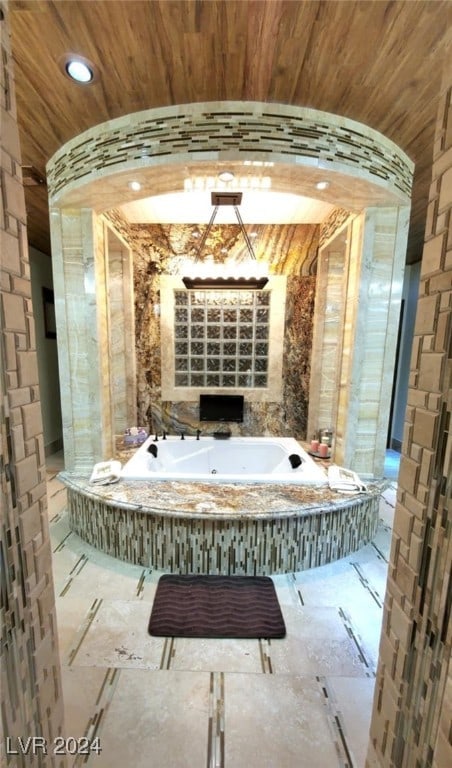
{"x":221,"y":339}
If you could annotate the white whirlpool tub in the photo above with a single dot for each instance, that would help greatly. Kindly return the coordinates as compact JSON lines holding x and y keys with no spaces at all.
{"x":230,"y":460}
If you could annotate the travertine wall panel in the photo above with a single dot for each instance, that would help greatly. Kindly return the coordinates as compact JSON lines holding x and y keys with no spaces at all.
{"x":30,"y":673}
{"x":412,"y":715}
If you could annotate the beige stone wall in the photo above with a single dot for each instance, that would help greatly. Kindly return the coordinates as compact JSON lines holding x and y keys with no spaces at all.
{"x":412,"y":715}
{"x":30,"y":673}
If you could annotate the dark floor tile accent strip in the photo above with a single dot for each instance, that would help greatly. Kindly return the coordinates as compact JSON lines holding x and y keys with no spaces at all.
{"x":337,"y":727}
{"x":83,"y":559}
{"x":141,"y":580}
{"x":266,"y":662}
{"x":83,"y":630}
{"x":344,"y":741}
{"x":353,"y":636}
{"x":385,"y":500}
{"x":62,"y":542}
{"x":57,"y":492}
{"x":95,"y":722}
{"x":168,"y":652}
{"x":379,"y":552}
{"x":66,"y":588}
{"x":216,"y":734}
{"x":366,"y":585}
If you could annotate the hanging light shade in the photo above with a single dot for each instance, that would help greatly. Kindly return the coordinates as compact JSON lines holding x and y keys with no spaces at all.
{"x":241,"y":282}
{"x":231,"y":283}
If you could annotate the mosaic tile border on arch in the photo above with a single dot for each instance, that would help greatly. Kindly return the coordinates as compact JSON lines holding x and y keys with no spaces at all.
{"x":202,"y":130}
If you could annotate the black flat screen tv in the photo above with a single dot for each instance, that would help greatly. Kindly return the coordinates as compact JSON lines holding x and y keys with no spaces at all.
{"x":221,"y":408}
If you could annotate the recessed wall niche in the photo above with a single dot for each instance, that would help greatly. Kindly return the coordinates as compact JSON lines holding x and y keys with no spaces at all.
{"x":225,"y":339}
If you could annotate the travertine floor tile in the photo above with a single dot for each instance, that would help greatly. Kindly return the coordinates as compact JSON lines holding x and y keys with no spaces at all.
{"x":156,"y":719}
{"x":276,"y":721}
{"x":351,"y":699}
{"x":302,"y":701}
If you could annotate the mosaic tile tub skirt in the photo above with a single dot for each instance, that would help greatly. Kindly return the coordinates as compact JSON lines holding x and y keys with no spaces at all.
{"x":237,"y":544}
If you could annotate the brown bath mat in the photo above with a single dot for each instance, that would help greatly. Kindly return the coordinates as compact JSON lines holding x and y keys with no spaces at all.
{"x":216,"y":606}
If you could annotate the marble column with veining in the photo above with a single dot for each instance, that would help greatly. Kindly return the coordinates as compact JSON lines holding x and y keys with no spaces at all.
{"x":81,"y":288}
{"x":121,"y":333}
{"x":356,"y":324}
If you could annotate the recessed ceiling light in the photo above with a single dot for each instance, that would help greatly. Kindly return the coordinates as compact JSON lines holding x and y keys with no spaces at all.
{"x":78,"y":68}
{"x":322,"y":184}
{"x":226,"y":176}
{"x":135,"y":186}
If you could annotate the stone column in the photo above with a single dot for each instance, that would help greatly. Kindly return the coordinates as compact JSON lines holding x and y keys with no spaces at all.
{"x":413,"y":703}
{"x":121,"y":318}
{"x":30,"y":669}
{"x":326,"y":353}
{"x":356,"y":323}
{"x":80,"y":270}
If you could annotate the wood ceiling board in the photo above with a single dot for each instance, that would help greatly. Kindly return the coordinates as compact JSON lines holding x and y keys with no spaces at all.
{"x":377,"y":62}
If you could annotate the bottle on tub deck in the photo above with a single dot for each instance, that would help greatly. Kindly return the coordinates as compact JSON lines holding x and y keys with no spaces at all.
{"x":326,"y":436}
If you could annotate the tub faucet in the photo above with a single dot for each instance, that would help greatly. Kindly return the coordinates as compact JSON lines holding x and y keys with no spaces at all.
{"x":182,"y":435}
{"x":164,"y":435}
{"x":198,"y":432}
{"x":156,"y":438}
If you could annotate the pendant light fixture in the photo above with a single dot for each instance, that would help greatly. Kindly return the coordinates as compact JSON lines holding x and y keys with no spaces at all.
{"x":233,"y":199}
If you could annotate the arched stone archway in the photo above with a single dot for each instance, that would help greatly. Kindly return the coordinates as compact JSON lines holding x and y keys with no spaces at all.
{"x":369,"y":177}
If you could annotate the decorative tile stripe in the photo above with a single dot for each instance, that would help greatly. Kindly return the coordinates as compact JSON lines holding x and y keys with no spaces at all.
{"x":335,"y":721}
{"x":245,"y":545}
{"x":241,"y":128}
{"x":83,"y":631}
{"x":97,"y":717}
{"x":354,"y":637}
{"x":215,"y":737}
{"x":264,"y":651}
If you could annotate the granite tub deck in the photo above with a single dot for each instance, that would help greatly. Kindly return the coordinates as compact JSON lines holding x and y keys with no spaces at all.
{"x":253,"y":529}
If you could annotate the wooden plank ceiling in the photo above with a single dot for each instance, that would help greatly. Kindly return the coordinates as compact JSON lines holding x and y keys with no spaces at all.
{"x":377,"y":62}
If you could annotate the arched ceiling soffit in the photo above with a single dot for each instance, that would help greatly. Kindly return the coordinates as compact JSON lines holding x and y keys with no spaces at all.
{"x":293,"y":147}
